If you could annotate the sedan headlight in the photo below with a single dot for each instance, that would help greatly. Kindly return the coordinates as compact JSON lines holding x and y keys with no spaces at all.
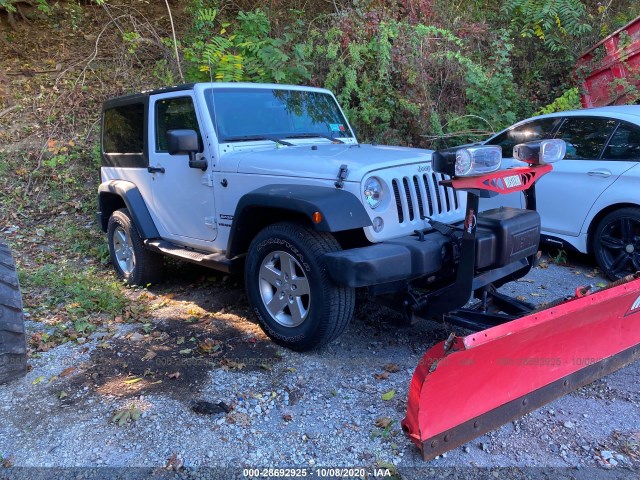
{"x":373,"y":191}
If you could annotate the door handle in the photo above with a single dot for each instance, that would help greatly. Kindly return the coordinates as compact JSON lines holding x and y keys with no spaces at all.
{"x":155,"y":169}
{"x":601,"y":172}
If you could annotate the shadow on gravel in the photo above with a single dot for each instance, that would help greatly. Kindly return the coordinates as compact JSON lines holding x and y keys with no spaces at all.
{"x":173,"y":353}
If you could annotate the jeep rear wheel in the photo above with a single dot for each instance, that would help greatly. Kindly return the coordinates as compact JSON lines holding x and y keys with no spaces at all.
{"x":289,"y":288}
{"x":13,"y":349}
{"x":133,"y":263}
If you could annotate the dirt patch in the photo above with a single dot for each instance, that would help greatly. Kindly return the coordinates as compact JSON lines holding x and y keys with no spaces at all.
{"x":193,"y":330}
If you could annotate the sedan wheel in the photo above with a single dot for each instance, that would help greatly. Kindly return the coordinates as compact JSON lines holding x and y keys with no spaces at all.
{"x":617,"y":243}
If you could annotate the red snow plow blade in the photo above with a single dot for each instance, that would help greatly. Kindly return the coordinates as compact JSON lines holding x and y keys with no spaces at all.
{"x":466,"y":386}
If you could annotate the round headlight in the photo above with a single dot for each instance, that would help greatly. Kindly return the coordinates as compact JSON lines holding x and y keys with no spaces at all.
{"x":373,"y":192}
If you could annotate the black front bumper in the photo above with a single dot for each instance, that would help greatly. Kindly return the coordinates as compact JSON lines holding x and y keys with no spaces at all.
{"x":504,"y":238}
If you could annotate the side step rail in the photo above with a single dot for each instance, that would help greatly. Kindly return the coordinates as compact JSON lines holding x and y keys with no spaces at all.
{"x":466,"y":386}
{"x":217,"y":261}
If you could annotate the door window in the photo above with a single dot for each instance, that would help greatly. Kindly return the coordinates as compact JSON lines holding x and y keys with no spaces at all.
{"x":585,"y":136}
{"x":174,"y":114}
{"x":624,"y":144}
{"x":536,"y":130}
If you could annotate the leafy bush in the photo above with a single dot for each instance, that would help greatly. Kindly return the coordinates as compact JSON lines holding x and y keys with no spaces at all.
{"x":243,"y":51}
{"x":569,"y":100}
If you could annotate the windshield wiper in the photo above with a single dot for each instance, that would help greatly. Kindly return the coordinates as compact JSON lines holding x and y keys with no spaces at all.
{"x":312,"y":135}
{"x":258,"y":137}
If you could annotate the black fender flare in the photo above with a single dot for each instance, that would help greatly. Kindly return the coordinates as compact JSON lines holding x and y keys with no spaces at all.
{"x":134,"y":202}
{"x":340,"y":210}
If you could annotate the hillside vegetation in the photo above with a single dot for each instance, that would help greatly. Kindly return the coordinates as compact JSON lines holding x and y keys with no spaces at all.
{"x":410,"y":72}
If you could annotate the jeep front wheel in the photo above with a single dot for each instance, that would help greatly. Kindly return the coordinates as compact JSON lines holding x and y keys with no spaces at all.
{"x":289,"y":288}
{"x":133,"y":263}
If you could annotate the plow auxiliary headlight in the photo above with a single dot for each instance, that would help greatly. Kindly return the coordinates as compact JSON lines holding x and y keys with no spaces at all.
{"x":540,"y":152}
{"x":467,"y":161}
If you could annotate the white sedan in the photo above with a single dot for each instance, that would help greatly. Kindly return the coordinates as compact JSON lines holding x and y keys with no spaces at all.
{"x":591,"y":200}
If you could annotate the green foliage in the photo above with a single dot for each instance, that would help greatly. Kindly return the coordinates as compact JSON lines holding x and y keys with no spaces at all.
{"x":245,"y":50}
{"x":383,"y":76}
{"x":552,"y":21}
{"x":79,"y":292}
{"x":569,"y":100}
{"x":9,"y":5}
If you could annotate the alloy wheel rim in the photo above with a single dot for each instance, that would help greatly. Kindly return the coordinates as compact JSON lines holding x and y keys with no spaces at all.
{"x":620,"y":243}
{"x":123,"y":250}
{"x":284,"y":289}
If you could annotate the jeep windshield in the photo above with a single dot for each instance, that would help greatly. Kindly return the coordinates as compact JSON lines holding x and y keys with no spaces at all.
{"x":242,"y":114}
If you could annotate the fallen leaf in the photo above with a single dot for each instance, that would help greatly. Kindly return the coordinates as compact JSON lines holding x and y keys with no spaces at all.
{"x":389,"y":395}
{"x":265,"y":366}
{"x":131,"y":381}
{"x":186,"y":351}
{"x":543,"y":265}
{"x":231,"y":365}
{"x":180,"y":340}
{"x":381,"y":376}
{"x":287,"y":417}
{"x":210,"y":346}
{"x":383,"y":422}
{"x":175,"y":462}
{"x":62,"y":395}
{"x":37,"y":380}
{"x":391,"y":368}
{"x":150,"y":355}
{"x":67,"y":371}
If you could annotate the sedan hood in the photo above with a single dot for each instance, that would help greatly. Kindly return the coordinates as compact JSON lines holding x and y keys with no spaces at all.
{"x":324,"y":161}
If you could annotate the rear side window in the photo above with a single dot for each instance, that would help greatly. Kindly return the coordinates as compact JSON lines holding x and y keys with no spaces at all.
{"x":536,"y":130}
{"x":585,"y":136}
{"x":174,"y":114}
{"x":624,"y":144}
{"x":123,"y":129}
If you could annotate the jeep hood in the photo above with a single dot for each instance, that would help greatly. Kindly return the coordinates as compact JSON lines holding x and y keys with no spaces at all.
{"x":323,"y":162}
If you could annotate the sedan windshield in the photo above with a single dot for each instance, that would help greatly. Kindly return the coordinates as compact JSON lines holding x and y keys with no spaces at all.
{"x":242,"y":114}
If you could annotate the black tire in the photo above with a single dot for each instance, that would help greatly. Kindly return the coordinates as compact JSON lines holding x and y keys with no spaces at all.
{"x":146,"y":266}
{"x":13,"y":348}
{"x":616,"y":243}
{"x":329,"y":307}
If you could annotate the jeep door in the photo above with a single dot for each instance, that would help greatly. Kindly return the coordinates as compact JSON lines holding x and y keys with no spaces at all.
{"x":183,"y":200}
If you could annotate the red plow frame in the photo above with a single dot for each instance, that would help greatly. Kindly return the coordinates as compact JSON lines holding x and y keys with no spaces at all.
{"x":466,"y":386}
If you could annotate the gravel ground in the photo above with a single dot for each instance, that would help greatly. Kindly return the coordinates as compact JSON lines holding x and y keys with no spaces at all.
{"x":285,"y":409}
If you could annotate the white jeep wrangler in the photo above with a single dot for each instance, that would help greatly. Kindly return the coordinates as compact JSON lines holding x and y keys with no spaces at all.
{"x":272,"y":179}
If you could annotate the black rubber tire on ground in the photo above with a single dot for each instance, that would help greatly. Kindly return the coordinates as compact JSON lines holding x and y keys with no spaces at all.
{"x":329,"y":307}
{"x":616,"y":243}
{"x":13,"y":348}
{"x":146,"y":265}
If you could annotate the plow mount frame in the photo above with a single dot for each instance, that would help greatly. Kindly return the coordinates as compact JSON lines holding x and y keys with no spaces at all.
{"x":520,"y":357}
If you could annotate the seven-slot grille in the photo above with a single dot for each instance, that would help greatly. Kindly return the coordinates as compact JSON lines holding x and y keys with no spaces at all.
{"x":421,"y":196}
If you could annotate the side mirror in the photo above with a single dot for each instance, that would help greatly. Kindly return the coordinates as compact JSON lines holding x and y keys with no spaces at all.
{"x":540,"y":152}
{"x":181,"y":142}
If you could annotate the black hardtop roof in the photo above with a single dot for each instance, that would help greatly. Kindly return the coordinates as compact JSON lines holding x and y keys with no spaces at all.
{"x":144,"y":95}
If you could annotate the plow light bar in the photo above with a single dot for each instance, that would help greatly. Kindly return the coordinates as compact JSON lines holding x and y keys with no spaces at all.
{"x":540,"y":152}
{"x":467,"y":161}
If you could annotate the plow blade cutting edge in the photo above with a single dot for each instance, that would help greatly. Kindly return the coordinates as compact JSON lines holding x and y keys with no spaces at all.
{"x":465,"y":386}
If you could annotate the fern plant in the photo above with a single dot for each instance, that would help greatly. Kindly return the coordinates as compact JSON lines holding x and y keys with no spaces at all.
{"x":552,"y":21}
{"x":244,"y":50}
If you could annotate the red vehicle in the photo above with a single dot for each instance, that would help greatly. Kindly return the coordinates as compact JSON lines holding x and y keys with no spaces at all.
{"x":609,"y":73}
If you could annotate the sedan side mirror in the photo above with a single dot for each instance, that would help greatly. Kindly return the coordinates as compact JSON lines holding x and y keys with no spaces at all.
{"x":181,"y":142}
